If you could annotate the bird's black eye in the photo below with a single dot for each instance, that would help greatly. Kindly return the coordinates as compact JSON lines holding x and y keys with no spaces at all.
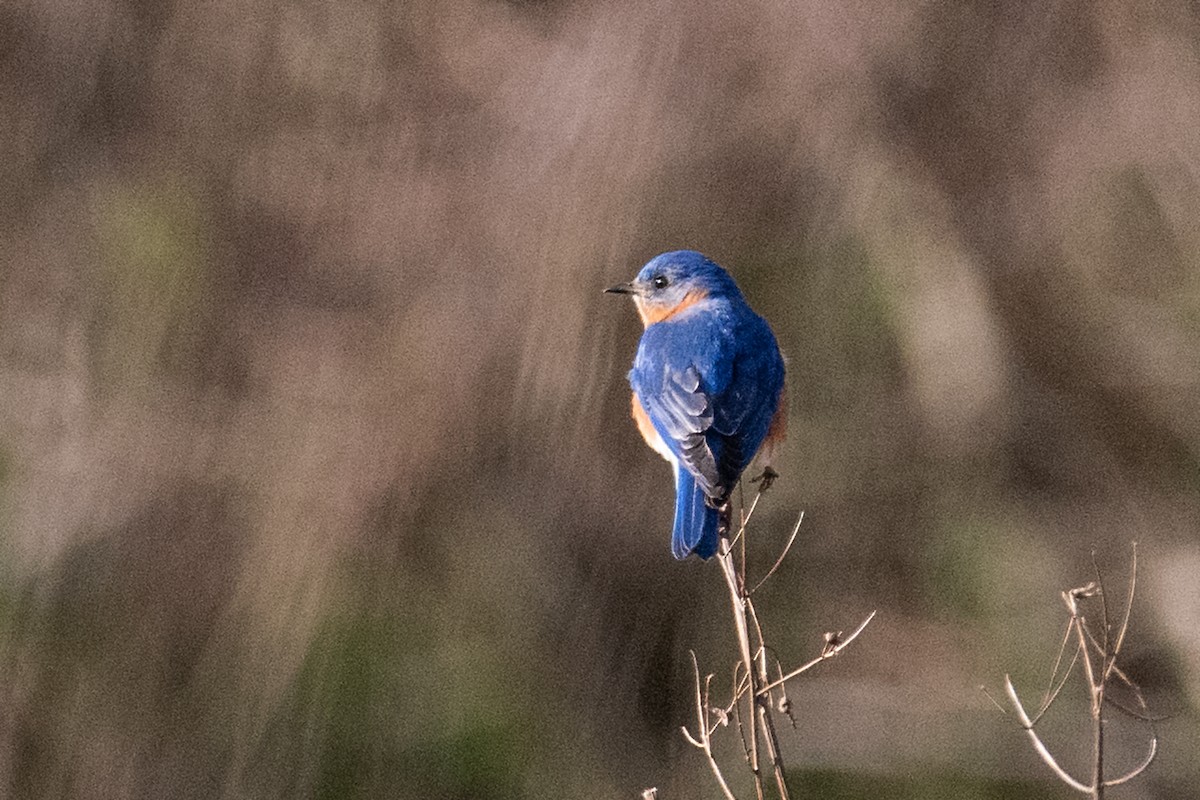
{"x":660,"y":281}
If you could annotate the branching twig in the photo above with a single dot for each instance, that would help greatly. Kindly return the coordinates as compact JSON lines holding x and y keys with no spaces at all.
{"x":725,"y":560}
{"x":751,"y":683}
{"x":1105,"y":648}
{"x":834,"y":644}
{"x":1027,"y":725}
{"x":705,"y":740}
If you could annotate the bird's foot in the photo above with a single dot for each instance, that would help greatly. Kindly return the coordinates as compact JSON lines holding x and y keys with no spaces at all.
{"x":724,"y":519}
{"x":765,"y":480}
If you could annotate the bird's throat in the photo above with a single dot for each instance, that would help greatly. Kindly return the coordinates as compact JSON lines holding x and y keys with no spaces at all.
{"x":659,"y":312}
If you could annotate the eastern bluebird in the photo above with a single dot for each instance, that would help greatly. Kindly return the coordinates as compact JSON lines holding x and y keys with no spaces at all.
{"x":707,"y":387}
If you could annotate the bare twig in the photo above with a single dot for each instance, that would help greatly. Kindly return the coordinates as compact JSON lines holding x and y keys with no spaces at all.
{"x":786,"y":549}
{"x":1128,"y":612}
{"x":1027,"y":725}
{"x":771,"y":739}
{"x":1140,"y":768}
{"x":705,"y":742}
{"x":745,"y":520}
{"x":785,"y":702}
{"x":1107,"y":620}
{"x":826,"y":654}
{"x":725,"y":559}
{"x":1051,"y":692}
{"x":1097,"y":653}
{"x":752,"y":704}
{"x":737,"y":715}
{"x":1062,"y":682}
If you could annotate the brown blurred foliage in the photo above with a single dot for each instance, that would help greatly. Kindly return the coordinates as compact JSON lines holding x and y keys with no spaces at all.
{"x":315,"y":471}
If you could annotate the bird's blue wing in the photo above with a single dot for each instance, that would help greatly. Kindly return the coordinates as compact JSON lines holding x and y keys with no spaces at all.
{"x":682,"y":413}
{"x":752,"y":395}
{"x":677,"y":401}
{"x":710,"y":387}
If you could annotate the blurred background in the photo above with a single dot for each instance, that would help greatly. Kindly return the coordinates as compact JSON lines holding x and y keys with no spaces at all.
{"x":316,"y":472}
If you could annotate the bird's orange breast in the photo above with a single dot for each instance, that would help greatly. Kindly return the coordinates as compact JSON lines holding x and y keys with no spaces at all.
{"x":646,"y":429}
{"x":657,"y":312}
{"x":776,"y":431}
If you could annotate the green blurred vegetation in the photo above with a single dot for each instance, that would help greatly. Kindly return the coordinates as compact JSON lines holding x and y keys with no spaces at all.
{"x":377,"y":668}
{"x":155,"y":277}
{"x":833,"y":785}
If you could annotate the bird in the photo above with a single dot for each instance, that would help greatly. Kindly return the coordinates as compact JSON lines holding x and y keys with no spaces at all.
{"x":707,"y":388}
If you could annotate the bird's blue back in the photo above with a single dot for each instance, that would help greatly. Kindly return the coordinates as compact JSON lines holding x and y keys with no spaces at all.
{"x":710,"y":379}
{"x":740,"y":370}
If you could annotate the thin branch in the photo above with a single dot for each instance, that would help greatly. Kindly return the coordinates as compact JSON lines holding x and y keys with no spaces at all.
{"x":1137,"y":693}
{"x":1128,"y":612}
{"x":1139,"y":716}
{"x":1140,"y":768}
{"x":763,"y":702}
{"x":742,"y":539}
{"x":745,"y":521}
{"x":1083,"y":634}
{"x":995,"y":702}
{"x":737,"y":715}
{"x":1096,"y":690}
{"x":1027,"y":726}
{"x":786,"y":548}
{"x":740,"y":687}
{"x":785,"y":702}
{"x":750,"y":685}
{"x":1149,"y":759}
{"x":1144,"y":716}
{"x":722,"y":714}
{"x":828,"y":653}
{"x":705,"y":743}
{"x":771,"y":739}
{"x":1103,"y":605}
{"x":1095,"y":643}
{"x":1098,"y":651}
{"x":725,"y":559}
{"x":1054,"y":695}
{"x":752,"y":616}
{"x":1048,"y":697}
{"x":699,"y":709}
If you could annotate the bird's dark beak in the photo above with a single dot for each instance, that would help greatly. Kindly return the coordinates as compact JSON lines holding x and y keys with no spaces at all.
{"x":621,"y":288}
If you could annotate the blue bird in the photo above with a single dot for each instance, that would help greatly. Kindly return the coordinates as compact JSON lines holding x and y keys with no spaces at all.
{"x":707,"y":387}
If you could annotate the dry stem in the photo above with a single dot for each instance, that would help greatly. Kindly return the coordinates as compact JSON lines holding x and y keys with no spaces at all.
{"x":1098,"y":656}
{"x":751,"y":675}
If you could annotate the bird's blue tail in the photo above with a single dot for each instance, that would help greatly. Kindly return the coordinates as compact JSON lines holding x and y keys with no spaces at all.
{"x":696,"y":523}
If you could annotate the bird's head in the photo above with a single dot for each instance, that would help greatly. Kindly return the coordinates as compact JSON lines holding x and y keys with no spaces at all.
{"x":675,"y":281}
